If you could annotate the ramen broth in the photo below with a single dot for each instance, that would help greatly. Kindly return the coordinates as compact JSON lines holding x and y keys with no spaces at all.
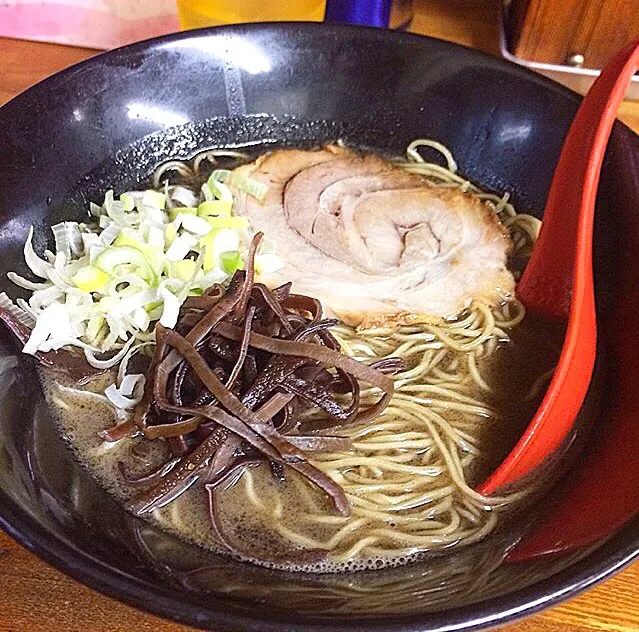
{"x":511,"y":372}
{"x":469,"y":389}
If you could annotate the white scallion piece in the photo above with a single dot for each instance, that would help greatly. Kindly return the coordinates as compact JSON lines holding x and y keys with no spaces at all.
{"x":115,"y":396}
{"x":38,"y":266}
{"x":110,"y":280}
{"x":232,"y":178}
{"x":194,"y":224}
{"x":183,"y":196}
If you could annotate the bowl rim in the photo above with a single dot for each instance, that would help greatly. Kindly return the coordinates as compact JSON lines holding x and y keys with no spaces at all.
{"x":223,"y":615}
{"x":338,"y":28}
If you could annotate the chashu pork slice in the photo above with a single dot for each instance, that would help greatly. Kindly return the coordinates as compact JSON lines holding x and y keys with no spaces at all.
{"x":375,"y":244}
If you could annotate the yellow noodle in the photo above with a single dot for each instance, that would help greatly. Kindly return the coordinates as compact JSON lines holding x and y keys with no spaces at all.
{"x":475,"y":373}
{"x":538,"y":385}
{"x":178,"y":166}
{"x":408,"y":476}
{"x":410,"y":464}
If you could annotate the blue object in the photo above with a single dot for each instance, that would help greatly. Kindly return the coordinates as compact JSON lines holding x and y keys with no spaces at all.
{"x":367,"y":12}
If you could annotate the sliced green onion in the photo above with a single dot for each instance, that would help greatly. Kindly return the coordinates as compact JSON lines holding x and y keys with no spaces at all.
{"x":94,"y":326}
{"x":180,"y":247}
{"x":61,"y":239}
{"x":155,"y":239}
{"x":170,"y":233}
{"x":268,"y":263}
{"x":116,"y":256}
{"x":154,"y":199}
{"x":171,"y":309}
{"x":184,"y":269}
{"x":110,"y":362}
{"x":20,"y":281}
{"x":118,"y":399}
{"x":181,"y":210}
{"x":231,"y":261}
{"x":216,"y":242}
{"x":52,"y":330}
{"x":91,"y":279}
{"x":232,"y":178}
{"x":115,"y":210}
{"x":107,"y":282}
{"x":239,"y":224}
{"x":140,"y":318}
{"x":214,"y":208}
{"x":74,"y":237}
{"x":183,"y":196}
{"x":130,"y":238}
{"x":220,"y":190}
{"x":194,"y":224}
{"x":38,"y":266}
{"x":128,"y":201}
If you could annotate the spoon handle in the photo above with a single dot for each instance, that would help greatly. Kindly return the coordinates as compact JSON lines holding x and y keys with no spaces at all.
{"x":558,"y":280}
{"x":562,"y":257}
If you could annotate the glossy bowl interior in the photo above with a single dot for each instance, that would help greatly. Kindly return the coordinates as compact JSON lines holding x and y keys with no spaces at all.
{"x":109,"y":121}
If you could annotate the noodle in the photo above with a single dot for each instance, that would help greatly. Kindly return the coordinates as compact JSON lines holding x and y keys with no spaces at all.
{"x":409,"y":477}
{"x":410,"y":474}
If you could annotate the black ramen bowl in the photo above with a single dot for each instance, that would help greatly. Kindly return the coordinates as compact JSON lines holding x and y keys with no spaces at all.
{"x":109,"y":121}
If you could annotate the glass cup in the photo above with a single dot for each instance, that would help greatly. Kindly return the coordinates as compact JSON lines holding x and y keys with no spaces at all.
{"x":198,"y":13}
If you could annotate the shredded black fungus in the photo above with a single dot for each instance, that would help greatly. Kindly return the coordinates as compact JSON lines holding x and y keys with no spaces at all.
{"x":232,"y":385}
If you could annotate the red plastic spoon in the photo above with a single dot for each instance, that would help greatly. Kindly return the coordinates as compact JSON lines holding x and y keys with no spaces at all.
{"x":558,"y":280}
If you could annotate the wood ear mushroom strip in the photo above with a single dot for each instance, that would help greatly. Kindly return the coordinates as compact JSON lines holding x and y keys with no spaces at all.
{"x":233,"y":382}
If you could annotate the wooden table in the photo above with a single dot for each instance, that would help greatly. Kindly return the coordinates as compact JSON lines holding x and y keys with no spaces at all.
{"x":36,"y":598}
